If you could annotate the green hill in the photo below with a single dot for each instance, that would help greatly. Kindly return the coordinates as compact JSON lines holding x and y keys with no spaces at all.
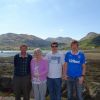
{"x":13,"y":41}
{"x":90,"y":41}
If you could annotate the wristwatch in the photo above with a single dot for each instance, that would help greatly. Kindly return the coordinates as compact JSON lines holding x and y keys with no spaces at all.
{"x":83,"y":75}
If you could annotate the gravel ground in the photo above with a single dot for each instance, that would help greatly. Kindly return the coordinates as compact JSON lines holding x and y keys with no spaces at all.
{"x":9,"y":98}
{"x":12,"y":98}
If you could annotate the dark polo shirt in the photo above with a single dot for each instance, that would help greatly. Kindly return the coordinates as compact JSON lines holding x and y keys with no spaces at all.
{"x":22,"y":65}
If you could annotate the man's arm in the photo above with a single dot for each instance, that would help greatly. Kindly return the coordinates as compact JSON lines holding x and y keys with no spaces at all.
{"x":65,"y":71}
{"x":84,"y":69}
{"x":81,"y":79}
{"x":15,"y":60}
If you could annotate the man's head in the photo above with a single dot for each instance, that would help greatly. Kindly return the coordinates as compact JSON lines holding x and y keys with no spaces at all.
{"x":23,"y":48}
{"x":74,"y":45}
{"x":54,"y":46}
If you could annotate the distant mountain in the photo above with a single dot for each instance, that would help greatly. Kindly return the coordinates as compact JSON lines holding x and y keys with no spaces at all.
{"x":90,"y":35}
{"x":15,"y":40}
{"x":91,"y":40}
{"x":66,"y":40}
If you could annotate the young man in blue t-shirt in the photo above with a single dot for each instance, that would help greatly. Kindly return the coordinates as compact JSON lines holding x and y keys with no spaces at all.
{"x":74,"y":71}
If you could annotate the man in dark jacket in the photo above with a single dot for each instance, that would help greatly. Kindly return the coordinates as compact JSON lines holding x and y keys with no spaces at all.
{"x":21,"y":79}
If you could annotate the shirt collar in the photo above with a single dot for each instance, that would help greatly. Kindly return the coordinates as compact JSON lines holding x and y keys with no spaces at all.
{"x":21,"y":55}
{"x":75,"y":53}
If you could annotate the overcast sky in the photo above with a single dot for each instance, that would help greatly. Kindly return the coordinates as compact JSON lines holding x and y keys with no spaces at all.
{"x":50,"y":18}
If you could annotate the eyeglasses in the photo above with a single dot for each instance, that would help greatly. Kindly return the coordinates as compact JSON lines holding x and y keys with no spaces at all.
{"x":54,"y":46}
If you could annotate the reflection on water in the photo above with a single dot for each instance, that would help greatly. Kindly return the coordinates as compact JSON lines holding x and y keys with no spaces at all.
{"x":12,"y":53}
{"x":8,"y":53}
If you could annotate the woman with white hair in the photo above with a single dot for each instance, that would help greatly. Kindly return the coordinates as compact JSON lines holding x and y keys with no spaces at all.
{"x":39,"y":70}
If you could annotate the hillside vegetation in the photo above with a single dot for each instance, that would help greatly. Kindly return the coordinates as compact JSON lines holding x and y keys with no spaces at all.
{"x":12,"y":41}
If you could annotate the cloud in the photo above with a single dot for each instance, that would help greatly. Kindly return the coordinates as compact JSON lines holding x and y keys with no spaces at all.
{"x":61,"y":30}
{"x":32,"y":1}
{"x":14,"y":6}
{"x":18,"y":2}
{"x":7,"y":6}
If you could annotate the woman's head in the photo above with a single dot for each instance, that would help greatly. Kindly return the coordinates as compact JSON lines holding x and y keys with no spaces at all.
{"x":37,"y":53}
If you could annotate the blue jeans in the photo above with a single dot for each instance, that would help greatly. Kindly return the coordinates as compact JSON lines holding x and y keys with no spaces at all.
{"x":74,"y":87}
{"x":54,"y":87}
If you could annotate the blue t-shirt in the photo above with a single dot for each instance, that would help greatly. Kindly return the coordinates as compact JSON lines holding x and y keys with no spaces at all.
{"x":74,"y":63}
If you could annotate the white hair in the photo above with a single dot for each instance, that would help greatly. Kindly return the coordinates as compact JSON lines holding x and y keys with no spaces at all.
{"x":37,"y":50}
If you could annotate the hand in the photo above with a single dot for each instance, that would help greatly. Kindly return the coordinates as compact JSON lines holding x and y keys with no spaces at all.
{"x":36,"y":75}
{"x":81,"y":79}
{"x":65,"y":77}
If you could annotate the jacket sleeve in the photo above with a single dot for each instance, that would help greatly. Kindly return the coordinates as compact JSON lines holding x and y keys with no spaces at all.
{"x":15,"y":60}
{"x":45,"y":72}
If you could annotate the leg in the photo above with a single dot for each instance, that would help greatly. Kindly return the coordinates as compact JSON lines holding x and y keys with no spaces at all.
{"x":26,"y":86}
{"x":17,"y":88}
{"x":70,"y":86}
{"x":58,"y":82}
{"x":36,"y":91}
{"x":51,"y":85}
{"x":42,"y":90}
{"x":79,"y":90}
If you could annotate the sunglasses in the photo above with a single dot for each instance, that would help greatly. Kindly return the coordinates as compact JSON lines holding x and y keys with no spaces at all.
{"x":54,"y":46}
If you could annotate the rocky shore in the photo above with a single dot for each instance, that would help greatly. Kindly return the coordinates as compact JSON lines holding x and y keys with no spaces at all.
{"x":91,"y":89}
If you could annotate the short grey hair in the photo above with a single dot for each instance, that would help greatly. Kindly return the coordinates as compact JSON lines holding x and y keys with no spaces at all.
{"x":37,"y":50}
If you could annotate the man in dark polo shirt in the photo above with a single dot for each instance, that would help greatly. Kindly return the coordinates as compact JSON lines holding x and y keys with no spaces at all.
{"x":21,"y":79}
